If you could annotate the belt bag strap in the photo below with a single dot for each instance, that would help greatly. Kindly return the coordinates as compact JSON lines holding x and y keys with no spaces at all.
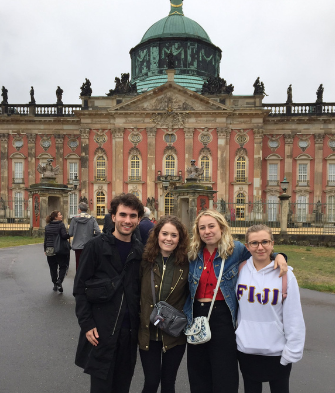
{"x":216,"y":288}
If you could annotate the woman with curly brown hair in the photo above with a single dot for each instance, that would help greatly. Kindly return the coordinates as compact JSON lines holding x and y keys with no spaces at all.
{"x":166,"y":255}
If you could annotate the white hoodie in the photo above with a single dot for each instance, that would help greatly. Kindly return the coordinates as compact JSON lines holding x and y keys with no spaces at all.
{"x":266,"y":326}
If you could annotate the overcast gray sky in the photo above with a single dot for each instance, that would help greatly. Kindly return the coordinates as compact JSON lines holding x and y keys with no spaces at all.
{"x":46,"y":43}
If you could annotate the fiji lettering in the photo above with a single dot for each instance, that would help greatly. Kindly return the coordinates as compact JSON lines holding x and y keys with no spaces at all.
{"x":262,"y":298}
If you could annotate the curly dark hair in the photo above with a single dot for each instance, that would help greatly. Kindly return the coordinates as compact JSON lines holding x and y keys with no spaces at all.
{"x":129,"y":200}
{"x":152,"y":249}
{"x":52,"y":216}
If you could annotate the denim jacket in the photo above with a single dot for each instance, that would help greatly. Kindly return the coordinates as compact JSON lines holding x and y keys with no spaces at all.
{"x":228,"y":280}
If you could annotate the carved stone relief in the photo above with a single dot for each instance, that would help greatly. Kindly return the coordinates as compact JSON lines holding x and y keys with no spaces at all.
{"x":45,"y":142}
{"x":84,"y":132}
{"x":100,"y":137}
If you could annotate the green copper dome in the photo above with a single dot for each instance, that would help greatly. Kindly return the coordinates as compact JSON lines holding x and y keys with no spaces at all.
{"x":176,"y":25}
{"x":195,"y":58}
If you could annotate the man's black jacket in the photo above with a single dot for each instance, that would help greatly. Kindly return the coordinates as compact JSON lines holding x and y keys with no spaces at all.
{"x":100,"y":258}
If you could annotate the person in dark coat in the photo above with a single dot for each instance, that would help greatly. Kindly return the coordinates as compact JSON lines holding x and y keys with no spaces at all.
{"x":107,"y":344}
{"x":145,"y":226}
{"x":58,"y":263}
{"x":109,"y":226}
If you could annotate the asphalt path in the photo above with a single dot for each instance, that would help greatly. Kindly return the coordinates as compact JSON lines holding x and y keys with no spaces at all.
{"x":39,"y":333}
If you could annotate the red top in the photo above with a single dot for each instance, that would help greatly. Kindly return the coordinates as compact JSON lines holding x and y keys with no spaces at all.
{"x":208,"y":279}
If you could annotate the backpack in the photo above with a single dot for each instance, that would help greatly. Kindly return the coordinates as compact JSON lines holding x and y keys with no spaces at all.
{"x":284,"y":279}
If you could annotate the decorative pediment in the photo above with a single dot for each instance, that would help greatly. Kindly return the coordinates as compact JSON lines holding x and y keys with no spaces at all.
{"x":100,"y":151}
{"x":134,"y":151}
{"x":303,"y":157}
{"x":72,"y":156}
{"x":17,"y":155}
{"x":170,"y":97}
{"x":330,"y":157}
{"x":44,"y":156}
{"x":205,"y":151}
{"x":170,"y":150}
{"x":273,"y":157}
{"x":241,"y":152}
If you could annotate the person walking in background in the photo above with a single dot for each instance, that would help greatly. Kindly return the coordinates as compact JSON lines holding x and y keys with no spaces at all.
{"x":83,"y":227}
{"x":58,"y":263}
{"x":212,"y":366}
{"x":166,"y":255}
{"x":107,"y":346}
{"x":271,"y":331}
{"x":145,"y":225}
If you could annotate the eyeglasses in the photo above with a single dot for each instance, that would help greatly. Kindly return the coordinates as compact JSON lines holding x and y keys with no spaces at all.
{"x":263,"y":243}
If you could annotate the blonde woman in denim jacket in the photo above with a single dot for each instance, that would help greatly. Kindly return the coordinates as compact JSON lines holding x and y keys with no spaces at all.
{"x":212,"y":367}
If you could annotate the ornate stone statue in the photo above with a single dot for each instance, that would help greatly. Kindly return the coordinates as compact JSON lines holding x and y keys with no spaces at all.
{"x":59,"y":95}
{"x":170,"y":61}
{"x":123,"y":86}
{"x":83,"y":199}
{"x":319,"y":94}
{"x":151,"y":202}
{"x":86,"y":89}
{"x":4,"y":93}
{"x":216,"y":86}
{"x":32,"y":94}
{"x":48,"y":171}
{"x":222,"y":205}
{"x":259,"y":88}
{"x":289,"y":95}
{"x":194,"y":172}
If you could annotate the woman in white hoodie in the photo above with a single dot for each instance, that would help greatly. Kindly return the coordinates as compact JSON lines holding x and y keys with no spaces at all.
{"x":271,"y":329}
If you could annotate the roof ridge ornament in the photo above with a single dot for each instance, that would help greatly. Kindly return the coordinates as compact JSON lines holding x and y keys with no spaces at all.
{"x":176,"y":7}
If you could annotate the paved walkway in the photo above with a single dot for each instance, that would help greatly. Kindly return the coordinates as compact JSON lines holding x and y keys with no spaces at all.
{"x":39,"y":333}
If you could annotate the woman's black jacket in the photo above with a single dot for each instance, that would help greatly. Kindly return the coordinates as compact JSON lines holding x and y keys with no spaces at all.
{"x":54,"y":228}
{"x":100,"y":259}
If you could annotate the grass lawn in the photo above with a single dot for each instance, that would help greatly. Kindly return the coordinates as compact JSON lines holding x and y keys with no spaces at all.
{"x":12,"y":241}
{"x":314,"y":267}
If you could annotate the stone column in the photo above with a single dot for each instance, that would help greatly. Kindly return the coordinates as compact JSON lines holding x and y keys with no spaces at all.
{"x":189,"y":132}
{"x":284,"y":208}
{"x":318,"y":167}
{"x":31,"y":158}
{"x":4,"y":167}
{"x":288,"y":160}
{"x":117,"y":159}
{"x":223,"y":163}
{"x":60,"y":158}
{"x":43,"y":210}
{"x":257,"y":180}
{"x":84,"y":161}
{"x":151,"y":171}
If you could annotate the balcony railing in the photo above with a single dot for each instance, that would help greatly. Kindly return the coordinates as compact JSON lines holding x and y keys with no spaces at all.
{"x":100,"y":178}
{"x":302,"y":183}
{"x":331,"y":183}
{"x":18,"y":180}
{"x":272,"y":183}
{"x":297,"y":109}
{"x":51,"y":110}
{"x":206,"y":178}
{"x":134,"y":178}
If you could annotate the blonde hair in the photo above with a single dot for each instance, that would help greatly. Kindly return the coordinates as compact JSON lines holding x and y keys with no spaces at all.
{"x":258,"y":228}
{"x":226,"y":243}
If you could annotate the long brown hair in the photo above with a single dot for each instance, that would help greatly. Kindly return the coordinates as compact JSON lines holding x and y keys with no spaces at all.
{"x":52,"y":216}
{"x":226,"y":243}
{"x":152,"y":249}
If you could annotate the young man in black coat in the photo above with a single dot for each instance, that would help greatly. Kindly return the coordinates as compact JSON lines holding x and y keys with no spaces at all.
{"x":107,"y":345}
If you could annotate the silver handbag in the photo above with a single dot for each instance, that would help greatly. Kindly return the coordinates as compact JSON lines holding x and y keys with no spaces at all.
{"x":199,"y":332}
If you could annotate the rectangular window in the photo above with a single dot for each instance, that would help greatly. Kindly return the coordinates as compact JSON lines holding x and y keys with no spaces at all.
{"x":272,"y":208}
{"x":73,"y":170}
{"x":18,"y":205}
{"x":331,"y":175}
{"x":273,"y":172}
{"x":302,"y":174}
{"x":73,"y":201}
{"x":302,"y":208}
{"x":331,"y":208}
{"x":18,"y":170}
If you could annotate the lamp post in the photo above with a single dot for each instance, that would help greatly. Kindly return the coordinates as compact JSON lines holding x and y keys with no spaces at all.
{"x":284,"y":198}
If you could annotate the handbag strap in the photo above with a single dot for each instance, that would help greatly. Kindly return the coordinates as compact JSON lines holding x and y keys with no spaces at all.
{"x":153,"y":287}
{"x":216,"y":288}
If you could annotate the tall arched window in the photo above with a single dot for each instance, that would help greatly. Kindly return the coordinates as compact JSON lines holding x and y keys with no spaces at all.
{"x":168,"y":203}
{"x":240,"y":207}
{"x":331,"y":208}
{"x":170,"y":165}
{"x":135,"y":173}
{"x":100,"y":168}
{"x":73,"y":204}
{"x":241,"y":170}
{"x":101,"y":204}
{"x":205,"y":163}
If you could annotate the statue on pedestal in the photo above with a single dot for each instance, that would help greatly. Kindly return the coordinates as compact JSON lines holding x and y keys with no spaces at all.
{"x":59,"y":95}
{"x":4,"y":93}
{"x":289,"y":95}
{"x":86,"y":89}
{"x":319,"y":94}
{"x":194,"y":172}
{"x":32,"y":94}
{"x":48,"y":171}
